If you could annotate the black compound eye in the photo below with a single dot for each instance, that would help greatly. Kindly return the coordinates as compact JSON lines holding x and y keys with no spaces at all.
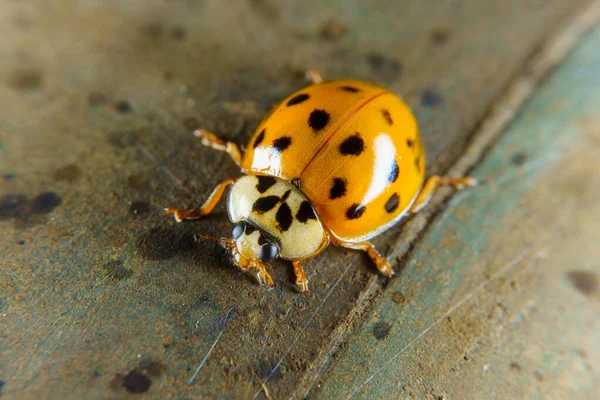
{"x":237,"y":230}
{"x":268,"y":252}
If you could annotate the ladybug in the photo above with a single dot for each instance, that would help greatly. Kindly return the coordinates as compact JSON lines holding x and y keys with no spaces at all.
{"x":337,"y":162}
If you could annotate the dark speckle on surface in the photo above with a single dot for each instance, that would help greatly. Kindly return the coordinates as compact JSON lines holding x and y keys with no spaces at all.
{"x":45,"y":203}
{"x":152,"y":31}
{"x":162,"y":244}
{"x":139,"y":207}
{"x":431,"y":98}
{"x":191,"y":123}
{"x":115,"y":269}
{"x":68,"y":173}
{"x":21,"y":242}
{"x":265,"y":369}
{"x":518,"y":158}
{"x":12,"y":206}
{"x":266,"y":9}
{"x":440,"y":36}
{"x":584,"y":281}
{"x":387,"y":68}
{"x":514,"y":366}
{"x":26,"y":80}
{"x":178,"y":33}
{"x":96,"y":99}
{"x":19,"y":206}
{"x":2,"y":384}
{"x":8,"y":177}
{"x":332,"y":30}
{"x":96,"y":374}
{"x":136,"y":382}
{"x":122,"y":107}
{"x":381,"y":329}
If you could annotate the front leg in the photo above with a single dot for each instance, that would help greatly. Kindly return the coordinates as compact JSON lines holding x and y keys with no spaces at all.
{"x":207,"y":207}
{"x":382,"y":265}
{"x":300,"y":277}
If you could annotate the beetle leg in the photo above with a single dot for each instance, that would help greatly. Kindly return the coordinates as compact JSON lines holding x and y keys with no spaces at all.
{"x":382,"y":265}
{"x":209,"y":139}
{"x":433,"y":183}
{"x":300,"y":277}
{"x":314,"y":76}
{"x":261,"y":275}
{"x":207,"y":207}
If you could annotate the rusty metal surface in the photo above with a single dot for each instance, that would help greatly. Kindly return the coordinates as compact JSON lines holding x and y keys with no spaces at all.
{"x":101,"y":295}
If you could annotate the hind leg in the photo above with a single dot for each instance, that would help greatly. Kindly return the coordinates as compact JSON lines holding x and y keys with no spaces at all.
{"x":433,"y":183}
{"x":382,"y":265}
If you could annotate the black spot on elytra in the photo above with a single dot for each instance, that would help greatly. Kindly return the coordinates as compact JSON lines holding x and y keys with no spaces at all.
{"x":386,"y":68}
{"x":67,"y":173}
{"x":139,"y":207}
{"x":338,"y":189}
{"x":410,"y":143}
{"x":122,"y":107}
{"x":381,"y":330}
{"x":96,"y":99}
{"x":387,"y":116}
{"x":318,"y":119}
{"x":264,"y":204}
{"x":284,"y":217}
{"x":136,"y":382}
{"x":163,"y":244}
{"x":282,"y":143}
{"x":264,"y":183}
{"x":394,"y":172}
{"x":259,"y":139}
{"x":350,"y":89}
{"x":392,"y":203}
{"x":300,"y":98}
{"x":286,"y":195}
{"x":352,"y":145}
{"x":584,"y":281}
{"x":26,"y":80}
{"x":518,"y":158}
{"x":431,"y":98}
{"x":355,"y":211}
{"x":305,"y":212}
{"x":115,"y":270}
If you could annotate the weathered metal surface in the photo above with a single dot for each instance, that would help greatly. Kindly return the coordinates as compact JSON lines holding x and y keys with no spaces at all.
{"x":500,"y":298}
{"x":100,"y":292}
